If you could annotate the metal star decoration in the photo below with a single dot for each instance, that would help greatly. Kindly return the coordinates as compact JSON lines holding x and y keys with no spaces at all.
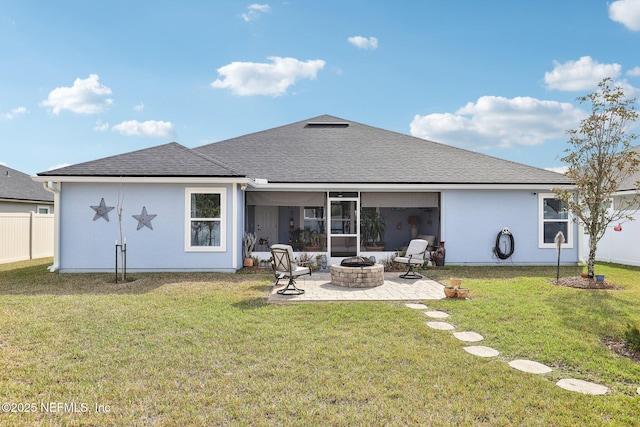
{"x":102,"y":210}
{"x":144,"y":219}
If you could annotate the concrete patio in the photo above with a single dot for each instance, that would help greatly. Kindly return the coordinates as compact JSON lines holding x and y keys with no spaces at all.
{"x":318,"y":287}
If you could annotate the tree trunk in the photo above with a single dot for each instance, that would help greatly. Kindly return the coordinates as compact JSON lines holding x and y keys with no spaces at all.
{"x":591,"y":263}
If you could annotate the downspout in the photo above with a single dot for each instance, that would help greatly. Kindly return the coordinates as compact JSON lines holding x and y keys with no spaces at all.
{"x":443,"y":216}
{"x":234,"y":228}
{"x":54,"y":187}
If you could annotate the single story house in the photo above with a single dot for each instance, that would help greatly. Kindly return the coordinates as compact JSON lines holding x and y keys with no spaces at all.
{"x":620,"y":242}
{"x":307,"y":183}
{"x":19,"y":193}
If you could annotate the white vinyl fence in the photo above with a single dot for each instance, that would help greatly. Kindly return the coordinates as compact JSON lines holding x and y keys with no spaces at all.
{"x":620,"y":247}
{"x":25,"y":236}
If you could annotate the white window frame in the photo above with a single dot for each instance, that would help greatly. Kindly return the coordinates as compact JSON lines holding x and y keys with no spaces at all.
{"x":44,"y":207}
{"x":541,"y":221}
{"x":223,"y":219}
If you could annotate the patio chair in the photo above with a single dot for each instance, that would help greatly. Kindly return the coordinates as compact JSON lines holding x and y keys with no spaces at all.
{"x":284,"y":266}
{"x":415,"y":256}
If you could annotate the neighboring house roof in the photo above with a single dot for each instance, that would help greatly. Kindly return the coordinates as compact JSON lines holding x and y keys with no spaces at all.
{"x":328,"y":149}
{"x":323,"y":149}
{"x":19,"y":187}
{"x":168,"y":160}
{"x":631,"y":183}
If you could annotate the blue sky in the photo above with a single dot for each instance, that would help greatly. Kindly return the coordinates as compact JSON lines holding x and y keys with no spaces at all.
{"x":83,"y":80}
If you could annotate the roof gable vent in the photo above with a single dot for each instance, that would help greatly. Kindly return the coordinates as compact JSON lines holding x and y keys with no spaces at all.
{"x":327,"y":124}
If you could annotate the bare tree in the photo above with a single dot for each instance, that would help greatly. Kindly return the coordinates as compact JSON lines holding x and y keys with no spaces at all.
{"x":599,"y":159}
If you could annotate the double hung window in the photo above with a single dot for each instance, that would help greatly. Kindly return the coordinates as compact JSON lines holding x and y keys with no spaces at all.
{"x":553,"y":217}
{"x":205,"y":214}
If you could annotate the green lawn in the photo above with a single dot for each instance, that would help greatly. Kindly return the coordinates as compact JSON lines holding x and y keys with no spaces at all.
{"x":206,"y":349}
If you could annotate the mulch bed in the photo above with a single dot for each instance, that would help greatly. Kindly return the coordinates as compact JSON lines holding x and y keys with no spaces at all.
{"x":584,"y":283}
{"x":620,"y":347}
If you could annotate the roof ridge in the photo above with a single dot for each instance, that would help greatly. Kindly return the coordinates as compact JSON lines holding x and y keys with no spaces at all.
{"x":272,"y":129}
{"x":210,"y":159}
{"x":453,"y":147}
{"x":155,"y":147}
{"x":159,"y":159}
{"x":490,"y":156}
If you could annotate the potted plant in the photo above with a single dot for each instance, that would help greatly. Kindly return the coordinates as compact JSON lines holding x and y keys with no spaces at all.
{"x":462,"y":293}
{"x":455,"y":290}
{"x":451,"y":291}
{"x":248,"y":243}
{"x":311,"y":239}
{"x":321,"y":260}
{"x":297,"y":239}
{"x":372,"y":228}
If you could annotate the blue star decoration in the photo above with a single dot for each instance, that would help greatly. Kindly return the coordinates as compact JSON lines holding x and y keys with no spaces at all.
{"x":102,"y":210}
{"x":144,"y":219}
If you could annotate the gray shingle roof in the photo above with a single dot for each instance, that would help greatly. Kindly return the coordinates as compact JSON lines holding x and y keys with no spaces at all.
{"x":323,"y":149}
{"x":328,"y":149}
{"x":631,"y":181}
{"x":168,"y":160}
{"x":15,"y":185}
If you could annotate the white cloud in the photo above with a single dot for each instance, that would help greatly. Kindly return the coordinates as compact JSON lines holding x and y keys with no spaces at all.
{"x":629,"y":90}
{"x":149,"y":128}
{"x":15,"y":112}
{"x":559,"y":169}
{"x":363,"y":42}
{"x":254,"y":11}
{"x":101,"y":127}
{"x":250,"y":78}
{"x":139,"y":107}
{"x":626,"y":12}
{"x":498,"y":122}
{"x":583,"y":74}
{"x":86,"y":96}
{"x":634,"y":72}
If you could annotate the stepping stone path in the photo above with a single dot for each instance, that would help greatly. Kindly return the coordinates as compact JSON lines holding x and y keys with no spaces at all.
{"x":482,"y":351}
{"x":468,"y":336}
{"x":530,"y":366}
{"x":416,"y":306}
{"x":443,"y":326}
{"x":437,"y":314}
{"x":582,"y":386}
{"x":520,"y":364}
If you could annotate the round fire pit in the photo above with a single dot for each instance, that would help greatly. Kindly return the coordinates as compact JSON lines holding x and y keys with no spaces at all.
{"x":357,"y":277}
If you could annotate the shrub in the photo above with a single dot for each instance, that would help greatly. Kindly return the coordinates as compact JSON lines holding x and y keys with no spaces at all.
{"x":632,"y":337}
{"x":307,"y":259}
{"x":388,"y":263}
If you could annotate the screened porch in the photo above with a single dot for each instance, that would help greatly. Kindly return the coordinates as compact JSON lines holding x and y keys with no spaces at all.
{"x":341,"y":224}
